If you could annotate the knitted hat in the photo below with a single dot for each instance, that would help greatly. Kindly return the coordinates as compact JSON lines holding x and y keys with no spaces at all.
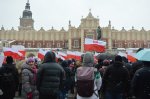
{"x":30,"y":59}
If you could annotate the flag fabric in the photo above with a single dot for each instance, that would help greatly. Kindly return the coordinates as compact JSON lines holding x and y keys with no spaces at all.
{"x":94,"y":45}
{"x":12,"y":52}
{"x":20,"y":49}
{"x":23,"y":52}
{"x":62,"y":55}
{"x":59,"y":56}
{"x":74,"y":55}
{"x":78,"y":55}
{"x":41,"y":54}
{"x":70,"y":55}
{"x":131,"y":57}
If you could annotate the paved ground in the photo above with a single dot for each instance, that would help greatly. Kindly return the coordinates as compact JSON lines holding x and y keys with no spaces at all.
{"x":70,"y":96}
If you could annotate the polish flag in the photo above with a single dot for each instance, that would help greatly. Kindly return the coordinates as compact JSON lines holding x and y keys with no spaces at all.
{"x":78,"y":55}
{"x":23,"y":52}
{"x":74,"y":55}
{"x":59,"y":56}
{"x":128,"y":55}
{"x":131,"y":57}
{"x":20,"y":49}
{"x":94,"y":45}
{"x":70,"y":55}
{"x":12,"y":52}
{"x":41,"y":54}
{"x":62,"y":55}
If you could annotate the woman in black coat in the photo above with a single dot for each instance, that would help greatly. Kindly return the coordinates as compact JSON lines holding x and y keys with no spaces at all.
{"x":9,"y":79}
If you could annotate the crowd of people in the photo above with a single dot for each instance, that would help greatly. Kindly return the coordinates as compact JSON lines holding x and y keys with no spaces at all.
{"x":85,"y":79}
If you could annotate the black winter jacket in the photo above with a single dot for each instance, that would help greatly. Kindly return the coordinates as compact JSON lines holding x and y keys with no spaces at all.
{"x":50,"y":75}
{"x":116,"y":79}
{"x":141,"y":83}
{"x":7,"y":88}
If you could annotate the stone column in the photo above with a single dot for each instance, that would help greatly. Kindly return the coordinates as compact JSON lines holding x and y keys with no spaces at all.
{"x":82,"y":40}
{"x":109,"y":36}
{"x":69,"y":39}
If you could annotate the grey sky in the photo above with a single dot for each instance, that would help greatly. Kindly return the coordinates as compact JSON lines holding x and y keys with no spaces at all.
{"x":57,"y":13}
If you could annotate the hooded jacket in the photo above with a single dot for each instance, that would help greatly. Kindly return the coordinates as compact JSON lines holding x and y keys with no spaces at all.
{"x":50,"y":75}
{"x":88,"y":61}
{"x":28,"y":81}
{"x":116,"y":78}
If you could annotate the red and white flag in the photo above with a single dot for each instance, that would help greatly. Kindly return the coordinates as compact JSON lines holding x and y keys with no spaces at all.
{"x":20,"y":49}
{"x":12,"y":52}
{"x":62,"y":55}
{"x":41,"y":54}
{"x":94,"y":45}
{"x":131,"y":57}
{"x":70,"y":55}
{"x":74,"y":55}
{"x":78,"y":55}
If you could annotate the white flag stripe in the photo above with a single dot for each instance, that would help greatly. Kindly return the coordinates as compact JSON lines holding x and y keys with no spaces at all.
{"x":91,"y":41}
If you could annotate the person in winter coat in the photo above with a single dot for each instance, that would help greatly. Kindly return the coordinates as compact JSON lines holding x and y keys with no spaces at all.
{"x":67,"y":81}
{"x":29,"y":71}
{"x":50,"y":77}
{"x":141,"y":82}
{"x":8,"y":79}
{"x":100,"y":64}
{"x":115,"y":80}
{"x":19,"y":68}
{"x":88,"y":61}
{"x":102,"y":70}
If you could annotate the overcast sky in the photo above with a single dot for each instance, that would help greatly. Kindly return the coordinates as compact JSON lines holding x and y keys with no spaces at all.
{"x":57,"y":13}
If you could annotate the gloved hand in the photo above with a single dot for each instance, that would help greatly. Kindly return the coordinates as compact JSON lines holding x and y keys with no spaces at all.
{"x":29,"y":95}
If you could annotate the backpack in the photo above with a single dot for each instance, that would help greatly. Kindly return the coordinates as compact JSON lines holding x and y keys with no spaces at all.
{"x":85,"y":81}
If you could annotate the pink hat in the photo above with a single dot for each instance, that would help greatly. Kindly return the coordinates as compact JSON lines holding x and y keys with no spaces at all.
{"x":30,"y":59}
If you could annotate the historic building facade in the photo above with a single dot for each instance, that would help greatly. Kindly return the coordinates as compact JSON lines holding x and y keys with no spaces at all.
{"x":73,"y":38}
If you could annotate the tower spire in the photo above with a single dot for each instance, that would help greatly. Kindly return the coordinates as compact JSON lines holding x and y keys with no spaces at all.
{"x":27,"y":5}
{"x":90,"y":10}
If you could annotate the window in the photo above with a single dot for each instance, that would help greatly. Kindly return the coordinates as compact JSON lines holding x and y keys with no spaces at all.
{"x":58,"y":45}
{"x":76,"y":44}
{"x":120,"y":45}
{"x":39,"y":45}
{"x":48,"y":45}
{"x":6,"y":45}
{"x":139,"y":45}
{"x":29,"y":45}
{"x":89,"y":36}
{"x":115,"y":45}
{"x":66,"y":45}
{"x":129,"y":45}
